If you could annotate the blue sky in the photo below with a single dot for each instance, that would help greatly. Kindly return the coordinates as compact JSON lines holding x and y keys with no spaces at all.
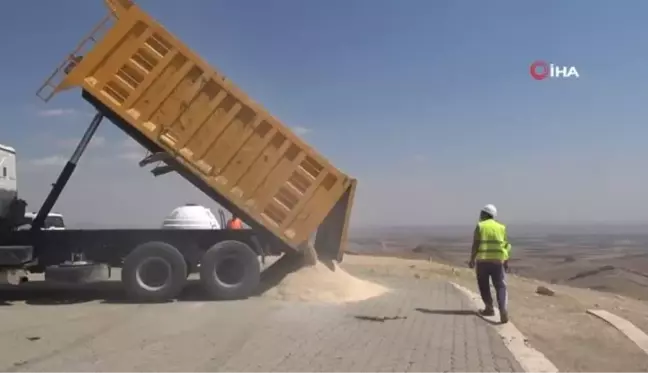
{"x":428,"y":103}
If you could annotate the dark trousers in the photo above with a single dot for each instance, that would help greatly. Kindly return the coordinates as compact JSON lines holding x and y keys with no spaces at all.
{"x":495,"y":271}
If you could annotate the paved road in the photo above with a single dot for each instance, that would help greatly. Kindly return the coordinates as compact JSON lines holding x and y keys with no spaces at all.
{"x":257,"y":334}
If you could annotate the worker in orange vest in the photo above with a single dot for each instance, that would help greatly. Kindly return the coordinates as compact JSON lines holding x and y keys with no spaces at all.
{"x":234,"y":223}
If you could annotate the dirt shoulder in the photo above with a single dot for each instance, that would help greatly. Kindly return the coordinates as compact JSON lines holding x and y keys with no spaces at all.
{"x":556,"y":325}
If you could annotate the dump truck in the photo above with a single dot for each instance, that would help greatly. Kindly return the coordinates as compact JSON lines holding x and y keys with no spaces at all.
{"x":195,"y":122}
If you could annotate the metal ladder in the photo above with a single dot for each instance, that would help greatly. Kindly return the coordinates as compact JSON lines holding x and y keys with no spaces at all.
{"x":52,"y":84}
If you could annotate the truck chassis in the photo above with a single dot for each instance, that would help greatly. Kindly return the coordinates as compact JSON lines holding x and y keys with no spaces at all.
{"x":155,"y":262}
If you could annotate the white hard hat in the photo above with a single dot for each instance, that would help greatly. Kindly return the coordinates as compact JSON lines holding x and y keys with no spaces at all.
{"x":490,"y":209}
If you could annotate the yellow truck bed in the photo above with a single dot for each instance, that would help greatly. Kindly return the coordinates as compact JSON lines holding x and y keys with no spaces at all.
{"x":154,"y":87}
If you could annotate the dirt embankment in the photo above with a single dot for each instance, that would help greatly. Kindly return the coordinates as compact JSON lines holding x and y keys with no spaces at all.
{"x":556,"y":325}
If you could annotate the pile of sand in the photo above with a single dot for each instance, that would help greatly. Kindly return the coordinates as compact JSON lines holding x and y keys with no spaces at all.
{"x":317,"y":283}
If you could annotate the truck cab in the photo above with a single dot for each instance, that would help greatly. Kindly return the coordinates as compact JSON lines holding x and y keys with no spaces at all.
{"x":8,"y":187}
{"x":12,"y":209}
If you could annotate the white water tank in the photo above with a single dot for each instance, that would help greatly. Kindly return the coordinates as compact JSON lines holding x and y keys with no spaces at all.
{"x":191,"y":216}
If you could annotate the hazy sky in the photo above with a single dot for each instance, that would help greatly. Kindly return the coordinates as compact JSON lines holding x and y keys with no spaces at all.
{"x":428,"y":103}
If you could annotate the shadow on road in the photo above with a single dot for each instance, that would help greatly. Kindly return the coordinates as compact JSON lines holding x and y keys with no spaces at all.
{"x":492,"y":322}
{"x":379,"y":318}
{"x":44,"y":293}
{"x":447,"y":312}
{"x":457,"y":313}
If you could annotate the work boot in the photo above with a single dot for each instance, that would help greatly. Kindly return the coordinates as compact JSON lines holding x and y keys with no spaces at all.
{"x":488,"y":311}
{"x":504,"y":317}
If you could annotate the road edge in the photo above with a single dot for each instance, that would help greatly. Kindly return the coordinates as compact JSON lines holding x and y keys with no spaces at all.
{"x":530,"y":359}
{"x":630,"y":330}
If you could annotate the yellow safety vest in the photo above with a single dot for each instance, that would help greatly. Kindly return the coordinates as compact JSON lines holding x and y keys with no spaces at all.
{"x":493,"y":244}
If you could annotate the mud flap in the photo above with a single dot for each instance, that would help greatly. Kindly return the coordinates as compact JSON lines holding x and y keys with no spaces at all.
{"x":330,"y":240}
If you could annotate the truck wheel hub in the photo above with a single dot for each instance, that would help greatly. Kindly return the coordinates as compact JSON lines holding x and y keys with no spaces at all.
{"x":230,"y":271}
{"x":153,"y":274}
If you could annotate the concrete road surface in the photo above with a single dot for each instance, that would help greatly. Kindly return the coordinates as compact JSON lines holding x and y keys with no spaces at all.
{"x":429,"y":327}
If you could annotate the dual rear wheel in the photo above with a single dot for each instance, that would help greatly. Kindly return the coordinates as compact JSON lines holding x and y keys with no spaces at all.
{"x":157,"y":271}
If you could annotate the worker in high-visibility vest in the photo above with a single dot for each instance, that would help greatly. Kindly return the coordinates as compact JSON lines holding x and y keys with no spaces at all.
{"x":490,"y":255}
{"x":235,"y":223}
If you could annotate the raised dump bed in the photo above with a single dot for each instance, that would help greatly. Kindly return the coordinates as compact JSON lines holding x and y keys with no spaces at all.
{"x":174,"y":103}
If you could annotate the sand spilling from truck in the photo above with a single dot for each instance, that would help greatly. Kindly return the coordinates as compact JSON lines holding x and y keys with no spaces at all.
{"x":291,"y":279}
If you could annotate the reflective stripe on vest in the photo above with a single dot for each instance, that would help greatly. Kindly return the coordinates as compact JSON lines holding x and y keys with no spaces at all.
{"x":492,"y":241}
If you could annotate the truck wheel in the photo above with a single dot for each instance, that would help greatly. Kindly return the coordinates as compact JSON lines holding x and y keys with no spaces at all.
{"x":230,"y":270}
{"x":154,"y":272}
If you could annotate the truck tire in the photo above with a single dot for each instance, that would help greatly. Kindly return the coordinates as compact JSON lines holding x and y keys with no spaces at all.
{"x":230,"y":270}
{"x":154,"y":272}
